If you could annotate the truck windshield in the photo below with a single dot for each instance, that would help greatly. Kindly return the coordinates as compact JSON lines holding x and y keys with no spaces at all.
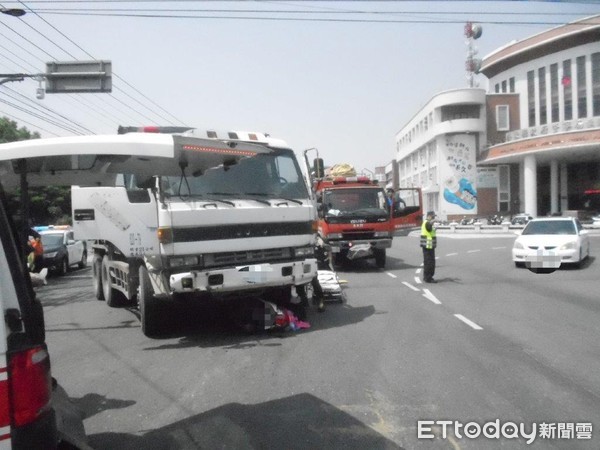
{"x":350,"y":201}
{"x":274,"y":175}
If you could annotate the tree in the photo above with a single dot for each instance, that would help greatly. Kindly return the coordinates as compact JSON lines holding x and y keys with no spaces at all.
{"x":48,"y":205}
{"x":10,"y":132}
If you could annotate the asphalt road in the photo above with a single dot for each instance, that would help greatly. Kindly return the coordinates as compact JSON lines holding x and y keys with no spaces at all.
{"x":489,"y":344}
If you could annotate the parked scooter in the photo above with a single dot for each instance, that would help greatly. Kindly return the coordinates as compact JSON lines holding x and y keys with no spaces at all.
{"x":468,"y":220}
{"x":495,"y":220}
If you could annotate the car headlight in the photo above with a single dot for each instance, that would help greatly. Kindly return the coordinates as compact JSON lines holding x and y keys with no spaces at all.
{"x":335,"y":235}
{"x":379,"y":234}
{"x":50,"y":255}
{"x":518,"y":246}
{"x":304,"y":251}
{"x":569,"y":246}
{"x":180,"y":261}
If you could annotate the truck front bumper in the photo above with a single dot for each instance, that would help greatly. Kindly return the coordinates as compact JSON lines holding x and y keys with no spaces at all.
{"x":359,"y":248}
{"x":240,"y":278}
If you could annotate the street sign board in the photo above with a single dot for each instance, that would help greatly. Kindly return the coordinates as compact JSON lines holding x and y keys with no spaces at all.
{"x":78,"y":77}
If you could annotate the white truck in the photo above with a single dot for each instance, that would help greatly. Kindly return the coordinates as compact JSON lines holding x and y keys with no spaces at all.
{"x":201,"y":214}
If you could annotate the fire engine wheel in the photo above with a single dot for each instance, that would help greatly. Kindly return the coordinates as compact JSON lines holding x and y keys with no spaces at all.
{"x":379,"y":257}
{"x":113,"y":297}
{"x":97,"y":276}
{"x":149,"y":311}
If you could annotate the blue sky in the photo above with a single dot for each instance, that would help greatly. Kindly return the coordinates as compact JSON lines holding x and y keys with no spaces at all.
{"x":343,"y":87}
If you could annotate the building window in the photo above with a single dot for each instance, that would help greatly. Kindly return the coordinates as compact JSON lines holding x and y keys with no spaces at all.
{"x":502,"y":118}
{"x":567,"y":84}
{"x":543,"y":98}
{"x":504,"y":87}
{"x":581,"y":88}
{"x":511,"y":84}
{"x":497,"y":88}
{"x":452,"y":112}
{"x":596,"y":83}
{"x":503,"y":189}
{"x":531,"y":97}
{"x":554,"y":92}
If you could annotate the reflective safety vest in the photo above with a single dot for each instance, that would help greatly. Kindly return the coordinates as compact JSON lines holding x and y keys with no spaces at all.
{"x":428,"y":239}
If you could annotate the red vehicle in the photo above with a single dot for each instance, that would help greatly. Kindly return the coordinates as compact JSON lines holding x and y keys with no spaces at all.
{"x":354,"y":219}
{"x":407,"y":211}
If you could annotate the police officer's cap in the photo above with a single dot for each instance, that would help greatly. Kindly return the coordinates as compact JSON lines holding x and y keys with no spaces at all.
{"x":431,"y":213}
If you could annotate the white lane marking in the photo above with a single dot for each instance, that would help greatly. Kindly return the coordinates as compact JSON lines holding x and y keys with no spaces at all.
{"x":498,"y":248}
{"x":391,"y":275}
{"x":418,"y":271}
{"x":417,"y":280}
{"x":468,"y":322}
{"x":429,"y":296}
{"x":410,"y":286}
{"x":452,"y":254}
{"x":473,"y":251}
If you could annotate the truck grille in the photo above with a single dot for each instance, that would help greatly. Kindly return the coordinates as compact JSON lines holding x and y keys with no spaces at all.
{"x":246,"y":257}
{"x":355,"y":235}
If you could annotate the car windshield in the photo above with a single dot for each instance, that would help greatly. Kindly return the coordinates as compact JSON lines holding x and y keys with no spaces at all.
{"x":354,"y":201}
{"x":52,"y":240}
{"x":550,"y":227}
{"x":275,"y":175}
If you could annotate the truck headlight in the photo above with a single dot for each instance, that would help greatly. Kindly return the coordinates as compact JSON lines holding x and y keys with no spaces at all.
{"x":304,"y":251}
{"x":50,"y":255}
{"x":181,"y":261}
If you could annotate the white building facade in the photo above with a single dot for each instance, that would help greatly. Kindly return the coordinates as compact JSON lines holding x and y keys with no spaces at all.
{"x":544,"y":116}
{"x":437,"y":151}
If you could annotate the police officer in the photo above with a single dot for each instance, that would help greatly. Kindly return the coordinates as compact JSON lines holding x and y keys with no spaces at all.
{"x":428,"y":244}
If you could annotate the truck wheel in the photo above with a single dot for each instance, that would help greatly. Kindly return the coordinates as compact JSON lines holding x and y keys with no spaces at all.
{"x":149,"y":311}
{"x":113,"y":297}
{"x":83,"y":262}
{"x":97,"y":276}
{"x":379,"y":257}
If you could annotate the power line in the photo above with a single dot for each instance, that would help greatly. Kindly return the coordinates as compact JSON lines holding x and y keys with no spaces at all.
{"x":41,"y":117}
{"x":90,"y":56}
{"x":114,"y":74}
{"x":96,"y":109}
{"x":28,"y":123}
{"x":303,"y":11}
{"x":306,"y":19}
{"x":42,"y":108}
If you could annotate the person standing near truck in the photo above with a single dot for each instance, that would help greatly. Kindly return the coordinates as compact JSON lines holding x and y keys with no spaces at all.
{"x":428,"y":244}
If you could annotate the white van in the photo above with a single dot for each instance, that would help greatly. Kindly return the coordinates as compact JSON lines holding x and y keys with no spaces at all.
{"x":33,"y":410}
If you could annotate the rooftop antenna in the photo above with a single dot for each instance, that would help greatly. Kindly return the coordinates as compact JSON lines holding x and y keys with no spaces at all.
{"x":472,"y":65}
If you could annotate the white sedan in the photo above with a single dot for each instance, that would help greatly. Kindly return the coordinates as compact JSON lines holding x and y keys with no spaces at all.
{"x":549,"y":242}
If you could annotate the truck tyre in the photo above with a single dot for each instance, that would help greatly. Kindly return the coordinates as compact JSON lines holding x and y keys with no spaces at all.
{"x":97,"y":276}
{"x":148,"y":304}
{"x":379,"y":257}
{"x":113,"y":297}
